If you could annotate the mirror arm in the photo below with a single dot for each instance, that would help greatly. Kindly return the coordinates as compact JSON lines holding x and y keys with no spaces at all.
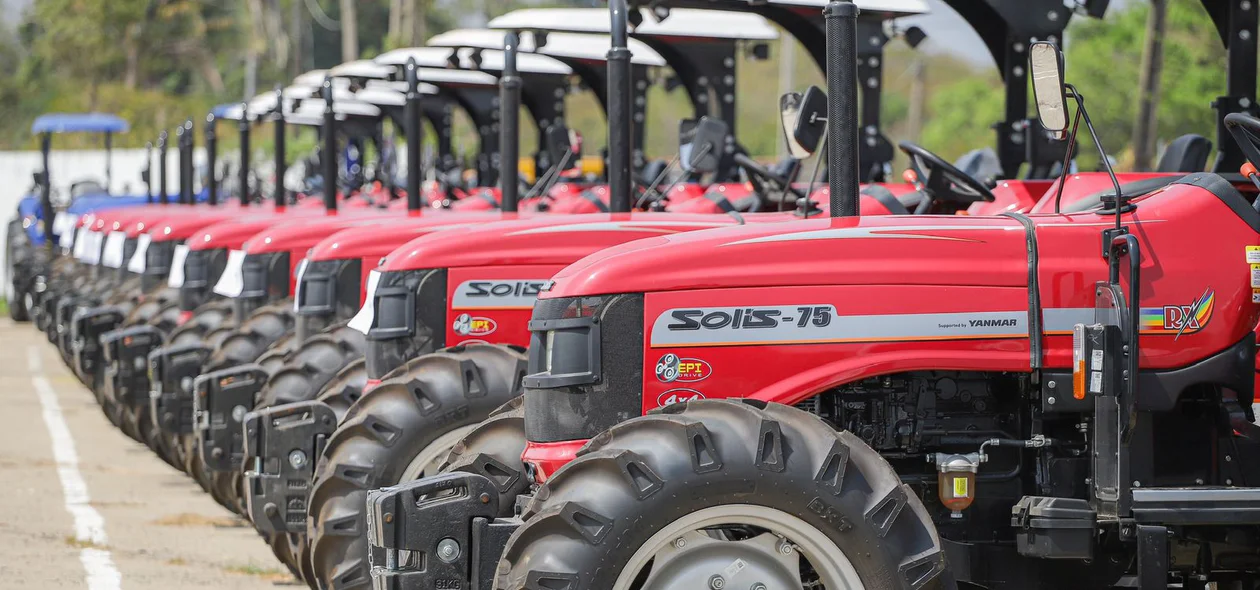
{"x":1067,"y":159}
{"x":647,"y":193}
{"x":1102,"y":153}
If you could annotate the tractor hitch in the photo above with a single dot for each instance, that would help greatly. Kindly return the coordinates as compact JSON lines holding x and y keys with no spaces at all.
{"x":220,"y":401}
{"x":445,"y":529}
{"x":280,"y":448}
{"x":125,"y":355}
{"x":171,"y":373}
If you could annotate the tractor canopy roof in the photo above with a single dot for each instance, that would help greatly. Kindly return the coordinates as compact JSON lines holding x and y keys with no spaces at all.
{"x":562,"y":46}
{"x":79,"y":123}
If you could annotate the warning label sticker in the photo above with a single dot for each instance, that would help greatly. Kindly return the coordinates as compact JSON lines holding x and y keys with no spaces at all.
{"x":1255,"y":276}
{"x":1253,"y":254}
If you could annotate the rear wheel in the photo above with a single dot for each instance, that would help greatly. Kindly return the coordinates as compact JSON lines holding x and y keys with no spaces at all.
{"x":671,"y":501}
{"x":399,"y":431}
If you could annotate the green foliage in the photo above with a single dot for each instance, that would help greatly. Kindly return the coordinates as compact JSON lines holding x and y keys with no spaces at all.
{"x":157,"y":62}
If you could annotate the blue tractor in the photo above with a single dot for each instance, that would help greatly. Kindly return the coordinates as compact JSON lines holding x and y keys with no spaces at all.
{"x":34,"y":234}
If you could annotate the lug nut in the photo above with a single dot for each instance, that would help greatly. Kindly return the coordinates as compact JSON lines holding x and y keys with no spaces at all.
{"x":679,"y":543}
{"x":717,"y":582}
{"x":758,"y":586}
{"x":785,"y":548}
{"x":448,"y":550}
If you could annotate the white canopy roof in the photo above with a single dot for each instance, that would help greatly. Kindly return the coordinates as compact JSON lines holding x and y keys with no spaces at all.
{"x":311,"y":78}
{"x":491,"y":60}
{"x":883,"y":8}
{"x":682,"y":22}
{"x":362,"y":68}
{"x":311,"y":112}
{"x":560,"y":45}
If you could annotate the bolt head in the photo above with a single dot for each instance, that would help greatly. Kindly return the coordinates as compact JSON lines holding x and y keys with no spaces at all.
{"x":679,"y":543}
{"x":448,"y":550}
{"x":1050,"y":400}
{"x":717,"y":582}
{"x":297,"y":459}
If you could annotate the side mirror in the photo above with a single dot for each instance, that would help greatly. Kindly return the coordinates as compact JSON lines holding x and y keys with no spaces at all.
{"x":559,"y":147}
{"x":1046,"y":64}
{"x":804,"y":121}
{"x":701,"y":144}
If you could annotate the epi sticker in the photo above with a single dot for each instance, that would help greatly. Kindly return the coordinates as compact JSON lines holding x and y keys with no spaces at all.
{"x":1253,"y":254}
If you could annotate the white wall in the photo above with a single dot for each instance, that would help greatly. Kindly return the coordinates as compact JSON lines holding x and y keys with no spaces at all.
{"x":68,"y":167}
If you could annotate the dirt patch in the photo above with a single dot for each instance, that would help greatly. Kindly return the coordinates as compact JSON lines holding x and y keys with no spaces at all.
{"x":266,"y":573}
{"x":190,"y":520}
{"x":78,"y":543}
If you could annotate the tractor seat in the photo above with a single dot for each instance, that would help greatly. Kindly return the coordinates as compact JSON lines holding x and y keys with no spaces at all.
{"x":1188,"y":153}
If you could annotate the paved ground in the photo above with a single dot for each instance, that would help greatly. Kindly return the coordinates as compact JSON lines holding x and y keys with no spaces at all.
{"x":117,"y":517}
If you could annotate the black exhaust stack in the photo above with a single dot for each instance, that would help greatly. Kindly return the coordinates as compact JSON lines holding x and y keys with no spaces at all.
{"x":842,"y":108}
{"x":329,"y":155}
{"x":510,"y":121}
{"x":148,"y":172}
{"x":212,"y":157}
{"x":45,"y":193}
{"x":414,"y":133}
{"x":243,"y":128}
{"x":163,"y":198}
{"x":186,"y":195}
{"x":282,"y":167}
{"x":180,"y":149}
{"x":620,"y":110}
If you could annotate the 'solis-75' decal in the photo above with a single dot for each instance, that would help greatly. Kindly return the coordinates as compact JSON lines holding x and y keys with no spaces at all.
{"x":819,"y":323}
{"x":498,"y":293}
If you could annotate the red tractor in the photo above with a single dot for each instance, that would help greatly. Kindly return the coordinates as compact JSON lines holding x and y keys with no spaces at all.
{"x":1015,"y":401}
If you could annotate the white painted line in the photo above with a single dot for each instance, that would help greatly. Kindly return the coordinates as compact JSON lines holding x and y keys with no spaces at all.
{"x":89,"y":526}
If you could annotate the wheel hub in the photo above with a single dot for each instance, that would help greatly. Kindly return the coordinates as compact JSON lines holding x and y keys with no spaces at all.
{"x":700,"y":559}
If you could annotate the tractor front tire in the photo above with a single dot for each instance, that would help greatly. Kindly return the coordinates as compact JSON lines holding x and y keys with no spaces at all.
{"x":671,"y":500}
{"x":399,"y":431}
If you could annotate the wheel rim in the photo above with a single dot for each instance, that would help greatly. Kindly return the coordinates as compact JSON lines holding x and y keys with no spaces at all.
{"x":690,"y":553}
{"x":430,"y":458}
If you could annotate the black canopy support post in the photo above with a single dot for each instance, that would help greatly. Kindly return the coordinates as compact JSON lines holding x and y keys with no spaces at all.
{"x":163,"y":197}
{"x":45,"y":192}
{"x":638,"y":117}
{"x":148,"y":172}
{"x":329,"y":153}
{"x":543,"y":96}
{"x":212,"y":161}
{"x":280,"y":196}
{"x":186,"y":166}
{"x":1007,"y":27}
{"x":109,"y":160}
{"x":510,"y":125}
{"x":875,"y":152}
{"x":180,"y":148}
{"x":1236,"y":22}
{"x":620,"y":110}
{"x":243,"y":169}
{"x":842,"y":108}
{"x":415,"y":136}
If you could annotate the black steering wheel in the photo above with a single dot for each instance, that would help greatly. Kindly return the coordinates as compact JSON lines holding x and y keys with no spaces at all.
{"x":1246,"y":132}
{"x":940,"y":181}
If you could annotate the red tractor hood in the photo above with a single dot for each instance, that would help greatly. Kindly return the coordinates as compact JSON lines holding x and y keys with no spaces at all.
{"x":541,"y":240}
{"x":824,"y":251}
{"x":301,"y":234}
{"x":890,"y":250}
{"x":378,"y":239}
